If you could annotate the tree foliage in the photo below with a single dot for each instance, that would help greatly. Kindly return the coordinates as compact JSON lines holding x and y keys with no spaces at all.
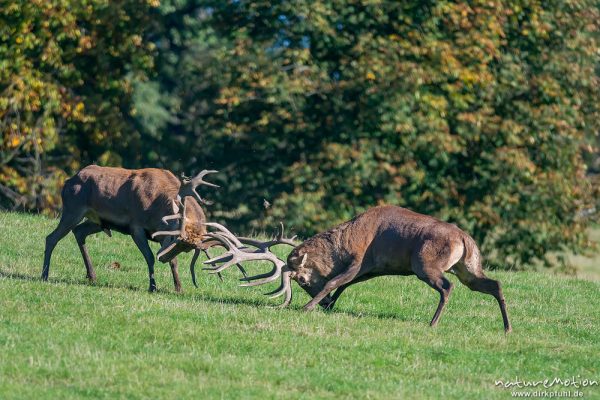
{"x":476,"y":112}
{"x":65,"y":91}
{"x":471,"y":111}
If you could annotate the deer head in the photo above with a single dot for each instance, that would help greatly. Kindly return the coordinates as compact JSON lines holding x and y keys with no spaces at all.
{"x":186,"y":225}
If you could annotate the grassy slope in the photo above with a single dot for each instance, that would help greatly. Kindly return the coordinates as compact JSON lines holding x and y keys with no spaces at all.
{"x":588,"y":266}
{"x":68,"y":339}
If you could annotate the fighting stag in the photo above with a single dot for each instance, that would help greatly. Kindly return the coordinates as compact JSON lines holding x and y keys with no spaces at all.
{"x":147,"y":204}
{"x":385,"y":240}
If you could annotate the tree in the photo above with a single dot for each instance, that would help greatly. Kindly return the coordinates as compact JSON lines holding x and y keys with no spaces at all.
{"x":471,"y":111}
{"x":65,"y":91}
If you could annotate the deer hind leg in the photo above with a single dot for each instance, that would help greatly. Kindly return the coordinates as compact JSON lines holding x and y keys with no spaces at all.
{"x":175,"y":273}
{"x":81,"y":232}
{"x":443,"y":286}
{"x":476,"y":280}
{"x":139,"y":237}
{"x":67,"y":222}
{"x":429,"y":266}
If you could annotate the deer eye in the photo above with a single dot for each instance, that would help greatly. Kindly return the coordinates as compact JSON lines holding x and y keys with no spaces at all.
{"x":302,"y":280}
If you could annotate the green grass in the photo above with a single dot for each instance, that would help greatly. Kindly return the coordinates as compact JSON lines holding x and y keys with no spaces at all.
{"x":588,"y":266}
{"x":68,"y":339}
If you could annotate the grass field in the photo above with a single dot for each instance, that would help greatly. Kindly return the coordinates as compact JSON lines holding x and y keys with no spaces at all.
{"x":68,"y":339}
{"x":588,"y":266}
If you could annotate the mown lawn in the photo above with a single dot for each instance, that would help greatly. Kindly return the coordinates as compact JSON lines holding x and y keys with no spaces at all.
{"x":68,"y":339}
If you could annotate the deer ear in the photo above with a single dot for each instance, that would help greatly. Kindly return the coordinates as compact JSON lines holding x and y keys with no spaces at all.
{"x":304,"y":258}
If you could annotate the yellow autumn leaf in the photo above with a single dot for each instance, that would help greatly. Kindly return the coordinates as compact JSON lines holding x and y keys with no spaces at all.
{"x":370,"y":76}
{"x":15,"y":141}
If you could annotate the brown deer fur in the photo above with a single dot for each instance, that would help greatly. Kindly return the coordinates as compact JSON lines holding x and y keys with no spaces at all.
{"x":132,"y":202}
{"x":389,"y":240}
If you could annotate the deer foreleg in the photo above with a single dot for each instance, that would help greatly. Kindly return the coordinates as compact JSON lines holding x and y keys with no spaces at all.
{"x":139,"y":237}
{"x":340,"y":280}
{"x":175,"y":273}
{"x":329,"y":305}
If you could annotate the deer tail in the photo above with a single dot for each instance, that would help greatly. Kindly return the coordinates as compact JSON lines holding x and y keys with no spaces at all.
{"x":472,"y":256}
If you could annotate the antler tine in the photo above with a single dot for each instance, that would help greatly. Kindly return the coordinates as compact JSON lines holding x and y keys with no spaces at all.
{"x":230,"y":257}
{"x":286,"y":283}
{"x":284,"y":287}
{"x":211,"y":242}
{"x":259,"y":276}
{"x":225,"y":232}
{"x":197,"y":180}
{"x":193,"y":266}
{"x":253,"y":242}
{"x":171,"y":217}
{"x":188,"y":187}
{"x":274,"y":274}
{"x":277,"y":239}
{"x":166,"y":233}
{"x":283,"y":240}
{"x":178,"y":211}
{"x":289,"y":242}
{"x":216,"y":270}
{"x":166,"y":250}
{"x":225,"y":241}
{"x":278,"y":265}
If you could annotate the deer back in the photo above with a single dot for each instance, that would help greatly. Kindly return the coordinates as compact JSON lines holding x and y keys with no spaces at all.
{"x":125,"y":197}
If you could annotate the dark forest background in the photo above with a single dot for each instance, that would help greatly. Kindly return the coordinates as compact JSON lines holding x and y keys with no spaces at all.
{"x":483,"y":113}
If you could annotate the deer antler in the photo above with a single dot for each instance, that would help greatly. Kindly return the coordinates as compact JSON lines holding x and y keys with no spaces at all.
{"x":239,"y":246}
{"x":188,"y":187}
{"x":179,"y":209}
{"x":238,"y":251}
{"x":180,"y":214}
{"x":278,"y":239}
{"x":207,"y":244}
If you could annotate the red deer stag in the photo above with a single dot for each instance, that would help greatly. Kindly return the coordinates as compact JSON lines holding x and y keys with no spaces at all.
{"x":145,"y":203}
{"x":385,"y":240}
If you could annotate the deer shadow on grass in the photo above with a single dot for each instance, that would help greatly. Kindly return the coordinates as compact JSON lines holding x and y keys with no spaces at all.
{"x":139,"y":289}
{"x":205,"y":297}
{"x":374,"y":314}
{"x":83,"y":282}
